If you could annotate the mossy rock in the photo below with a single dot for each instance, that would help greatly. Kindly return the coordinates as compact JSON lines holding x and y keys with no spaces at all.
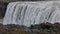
{"x":20,"y":31}
{"x":16,"y":31}
{"x":43,"y":33}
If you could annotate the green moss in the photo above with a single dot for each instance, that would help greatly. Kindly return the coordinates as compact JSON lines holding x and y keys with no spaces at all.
{"x":16,"y":31}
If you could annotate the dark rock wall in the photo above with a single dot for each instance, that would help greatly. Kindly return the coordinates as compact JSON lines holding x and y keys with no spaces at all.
{"x":3,"y":7}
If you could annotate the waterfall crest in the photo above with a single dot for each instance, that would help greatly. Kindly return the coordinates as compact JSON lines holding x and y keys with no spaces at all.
{"x":30,"y":13}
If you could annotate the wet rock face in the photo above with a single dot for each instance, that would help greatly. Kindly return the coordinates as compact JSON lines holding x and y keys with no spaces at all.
{"x":11,"y":28}
{"x":1,"y":11}
{"x":47,"y":27}
{"x":17,"y":29}
{"x":3,"y":7}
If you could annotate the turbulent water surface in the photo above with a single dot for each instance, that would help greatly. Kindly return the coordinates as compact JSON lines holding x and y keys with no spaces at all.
{"x":27,"y":13}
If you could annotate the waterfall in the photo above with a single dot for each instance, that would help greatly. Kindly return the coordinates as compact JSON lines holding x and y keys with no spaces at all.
{"x":30,"y":13}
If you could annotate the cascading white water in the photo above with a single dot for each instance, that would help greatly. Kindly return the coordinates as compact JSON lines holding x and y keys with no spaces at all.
{"x":30,"y":13}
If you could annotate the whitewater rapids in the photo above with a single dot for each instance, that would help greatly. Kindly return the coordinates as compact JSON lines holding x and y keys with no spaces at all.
{"x":30,"y":13}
